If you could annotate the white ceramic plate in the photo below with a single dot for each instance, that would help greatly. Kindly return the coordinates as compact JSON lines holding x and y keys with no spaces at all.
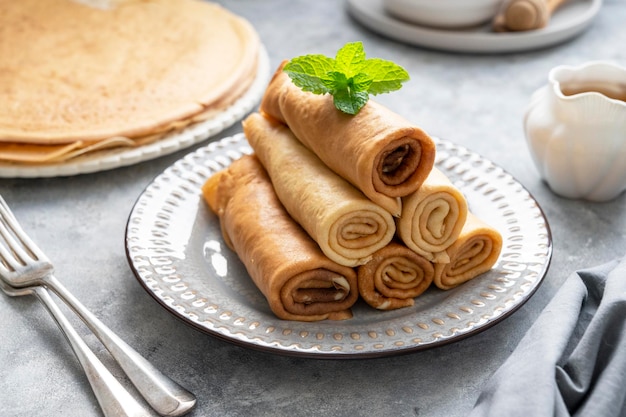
{"x":175,"y":248}
{"x":568,"y":21}
{"x":191,"y":135}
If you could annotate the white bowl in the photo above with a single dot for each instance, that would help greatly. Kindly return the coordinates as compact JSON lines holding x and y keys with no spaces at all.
{"x":446,"y":14}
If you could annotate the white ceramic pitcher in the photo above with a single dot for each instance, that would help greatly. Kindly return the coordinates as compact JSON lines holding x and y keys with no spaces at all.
{"x":575,"y":127}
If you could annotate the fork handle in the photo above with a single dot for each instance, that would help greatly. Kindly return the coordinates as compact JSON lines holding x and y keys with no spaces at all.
{"x":114,"y":399}
{"x":165,"y":396}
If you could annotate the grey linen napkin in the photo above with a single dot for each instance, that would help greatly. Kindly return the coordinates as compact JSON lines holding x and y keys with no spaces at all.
{"x":572,"y":361}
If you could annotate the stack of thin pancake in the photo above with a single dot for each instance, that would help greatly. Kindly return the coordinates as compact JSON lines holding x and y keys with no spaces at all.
{"x":331,"y":206}
{"x":80,"y":76}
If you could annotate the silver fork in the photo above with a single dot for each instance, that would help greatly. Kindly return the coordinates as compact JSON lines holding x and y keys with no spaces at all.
{"x":114,"y":399}
{"x":23,"y":264}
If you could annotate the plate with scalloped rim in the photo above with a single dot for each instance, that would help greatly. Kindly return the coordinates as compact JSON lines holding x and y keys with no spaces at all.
{"x":175,"y":248}
{"x":118,"y":157}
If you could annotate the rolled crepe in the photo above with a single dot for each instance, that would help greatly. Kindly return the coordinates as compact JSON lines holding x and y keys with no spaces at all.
{"x":347,"y":226}
{"x":394,"y":277}
{"x":376,"y":150}
{"x":432,"y":217}
{"x":476,"y":251}
{"x":297,"y":279}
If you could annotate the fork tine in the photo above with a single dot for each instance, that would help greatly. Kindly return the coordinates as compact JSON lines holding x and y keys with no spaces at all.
{"x":19,"y":247}
{"x":10,"y":260}
{"x":5,"y":257}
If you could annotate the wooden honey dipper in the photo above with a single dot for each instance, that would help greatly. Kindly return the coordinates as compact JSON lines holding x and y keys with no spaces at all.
{"x":520,"y":15}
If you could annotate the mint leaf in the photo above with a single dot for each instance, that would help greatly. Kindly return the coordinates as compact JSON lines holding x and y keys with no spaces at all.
{"x":350,"y":58}
{"x":350,"y":101}
{"x":386,"y":76}
{"x":310,"y":72}
{"x":350,"y":77}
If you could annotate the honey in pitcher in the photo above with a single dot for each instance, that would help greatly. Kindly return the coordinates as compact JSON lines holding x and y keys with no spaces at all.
{"x":610,"y":90}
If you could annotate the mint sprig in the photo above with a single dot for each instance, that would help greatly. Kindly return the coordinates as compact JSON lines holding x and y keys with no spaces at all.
{"x":350,"y":77}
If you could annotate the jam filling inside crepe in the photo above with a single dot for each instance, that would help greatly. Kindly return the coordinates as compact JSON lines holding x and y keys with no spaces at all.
{"x":396,"y":166}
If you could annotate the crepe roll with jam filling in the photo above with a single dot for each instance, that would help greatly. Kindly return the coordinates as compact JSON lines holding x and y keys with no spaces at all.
{"x":376,"y":150}
{"x":297,"y":279}
{"x":475,"y":252}
{"x":394,"y":277}
{"x":432,"y":217}
{"x":347,"y":226}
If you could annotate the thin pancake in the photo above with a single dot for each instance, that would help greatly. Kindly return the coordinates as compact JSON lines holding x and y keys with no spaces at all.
{"x":74,"y":72}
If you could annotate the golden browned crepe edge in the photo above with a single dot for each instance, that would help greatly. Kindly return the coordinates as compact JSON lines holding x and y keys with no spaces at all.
{"x":475,"y":228}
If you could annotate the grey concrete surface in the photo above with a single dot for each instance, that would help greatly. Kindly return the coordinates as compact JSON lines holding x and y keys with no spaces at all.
{"x":474,"y":100}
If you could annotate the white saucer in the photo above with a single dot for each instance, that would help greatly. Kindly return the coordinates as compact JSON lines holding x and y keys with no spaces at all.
{"x":568,"y":21}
